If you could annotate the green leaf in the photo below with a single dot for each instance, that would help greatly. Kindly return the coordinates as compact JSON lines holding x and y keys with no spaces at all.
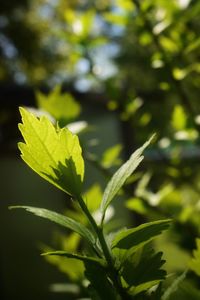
{"x":55,"y":154}
{"x":121,"y":175}
{"x":179,"y":118}
{"x":130,"y":240}
{"x":74,"y":269}
{"x":101,"y":262}
{"x":174,"y":286}
{"x":194,"y":264}
{"x":61,"y":220}
{"x":100,"y":286}
{"x":141,"y":270}
{"x":62,"y":107}
{"x":111,"y":156}
{"x":92,"y":197}
{"x":136,"y":205}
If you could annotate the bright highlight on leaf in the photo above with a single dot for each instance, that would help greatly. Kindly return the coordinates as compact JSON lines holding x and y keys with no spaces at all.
{"x":55,"y":154}
{"x":121,"y":176}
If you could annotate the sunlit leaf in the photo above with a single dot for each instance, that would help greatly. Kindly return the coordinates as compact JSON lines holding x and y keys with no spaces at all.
{"x":179,"y":118}
{"x":93,"y":197}
{"x":61,"y":106}
{"x":55,"y":154}
{"x":111,"y":156}
{"x":136,"y":205}
{"x":121,"y":176}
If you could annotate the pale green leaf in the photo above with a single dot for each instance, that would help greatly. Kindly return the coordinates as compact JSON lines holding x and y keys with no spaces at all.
{"x":179,"y":118}
{"x":111,"y":156}
{"x":61,"y":106}
{"x":92,"y":197}
{"x":136,"y":205}
{"x":121,"y":176}
{"x":55,"y":154}
{"x":61,"y":220}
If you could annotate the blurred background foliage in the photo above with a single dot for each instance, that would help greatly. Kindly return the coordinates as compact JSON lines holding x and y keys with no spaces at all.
{"x":133,"y":68}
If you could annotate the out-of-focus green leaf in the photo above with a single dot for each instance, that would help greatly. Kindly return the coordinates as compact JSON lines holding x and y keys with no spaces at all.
{"x":111,"y":156}
{"x":93,"y":197}
{"x":55,"y":154}
{"x":121,"y":175}
{"x":61,"y":220}
{"x":61,"y":106}
{"x":194,"y":264}
{"x":179,"y":118}
{"x":193,"y":46}
{"x":136,"y":205}
{"x":186,"y":291}
{"x":129,"y":240}
{"x":141,"y":270}
{"x":174,"y":286}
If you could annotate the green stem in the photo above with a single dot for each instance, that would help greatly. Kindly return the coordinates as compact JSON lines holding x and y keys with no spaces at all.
{"x":108,"y":256}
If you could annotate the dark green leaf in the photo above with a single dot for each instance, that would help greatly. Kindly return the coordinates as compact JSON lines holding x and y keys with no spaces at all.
{"x":100,"y":287}
{"x":141,"y":270}
{"x":61,"y":220}
{"x":129,"y":240}
{"x":76,"y":256}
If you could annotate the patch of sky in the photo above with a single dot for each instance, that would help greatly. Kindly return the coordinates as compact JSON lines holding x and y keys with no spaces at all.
{"x":83,"y":66}
{"x":46,"y":11}
{"x":83,"y":85}
{"x":8,"y":49}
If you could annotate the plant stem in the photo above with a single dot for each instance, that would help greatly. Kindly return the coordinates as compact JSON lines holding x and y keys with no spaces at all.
{"x":108,"y":256}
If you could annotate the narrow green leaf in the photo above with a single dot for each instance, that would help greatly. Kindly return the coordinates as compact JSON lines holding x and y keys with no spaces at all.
{"x":174,"y":286}
{"x":101,"y":262}
{"x":74,"y":269}
{"x":121,"y":175}
{"x":55,"y":154}
{"x":129,"y":240}
{"x":61,"y":220}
